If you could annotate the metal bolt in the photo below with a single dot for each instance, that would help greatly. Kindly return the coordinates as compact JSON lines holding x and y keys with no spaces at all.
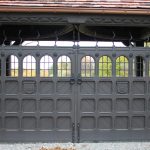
{"x":19,"y":54}
{"x":55,"y":54}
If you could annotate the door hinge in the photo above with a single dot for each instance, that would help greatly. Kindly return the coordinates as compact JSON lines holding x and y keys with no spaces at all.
{"x":78,"y":132}
{"x":73,"y":132}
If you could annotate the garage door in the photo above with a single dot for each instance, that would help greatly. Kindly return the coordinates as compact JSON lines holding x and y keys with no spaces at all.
{"x":61,"y":94}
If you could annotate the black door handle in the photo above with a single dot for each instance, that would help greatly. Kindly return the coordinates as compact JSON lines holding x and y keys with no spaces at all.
{"x":72,"y":80}
{"x":79,"y":81}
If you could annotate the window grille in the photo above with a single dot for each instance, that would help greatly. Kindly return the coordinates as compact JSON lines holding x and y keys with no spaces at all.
{"x":87,"y":67}
{"x":138,"y":66}
{"x":105,"y":67}
{"x":122,"y":66}
{"x":46,"y":66}
{"x":29,"y":66}
{"x":64,"y":66}
{"x":12,"y":66}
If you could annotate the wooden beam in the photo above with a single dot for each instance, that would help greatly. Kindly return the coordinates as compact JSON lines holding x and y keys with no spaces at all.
{"x":75,"y":10}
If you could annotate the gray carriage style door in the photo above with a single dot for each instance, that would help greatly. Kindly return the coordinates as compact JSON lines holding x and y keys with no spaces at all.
{"x":37,"y":101}
{"x":113,"y":94}
{"x":64,"y":94}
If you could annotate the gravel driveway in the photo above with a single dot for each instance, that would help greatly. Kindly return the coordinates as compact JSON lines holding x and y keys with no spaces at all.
{"x":81,"y":146}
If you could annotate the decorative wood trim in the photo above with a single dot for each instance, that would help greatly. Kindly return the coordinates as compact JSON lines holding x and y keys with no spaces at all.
{"x":60,"y":19}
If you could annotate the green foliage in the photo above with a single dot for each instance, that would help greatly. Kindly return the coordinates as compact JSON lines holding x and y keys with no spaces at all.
{"x":105,"y":67}
{"x":122,"y":66}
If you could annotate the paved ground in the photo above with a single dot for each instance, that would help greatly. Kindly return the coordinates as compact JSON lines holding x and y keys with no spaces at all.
{"x":82,"y":146}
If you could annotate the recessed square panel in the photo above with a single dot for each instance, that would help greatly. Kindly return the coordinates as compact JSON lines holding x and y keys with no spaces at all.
{"x":105,"y":105}
{"x":105,"y":87}
{"x":148,"y":120}
{"x":64,"y":87}
{"x":29,"y":123}
{"x":138,"y":122}
{"x":29,"y":87}
{"x":46,"y":105}
{"x":149,"y":87}
{"x":139,"y":87}
{"x":122,"y":122}
{"x":46,"y":123}
{"x":11,"y":105}
{"x":64,"y":123}
{"x":122,"y":87}
{"x":46,"y":87}
{"x":138,"y":104}
{"x":28,"y":105}
{"x":0,"y":88}
{"x":88,"y":122}
{"x":0,"y":123}
{"x":87,"y":87}
{"x":105,"y":122}
{"x":149,"y":105}
{"x":87,"y":105}
{"x":64,"y":105}
{"x":11,"y":87}
{"x":12,"y":123}
{"x":0,"y":105}
{"x":122,"y":105}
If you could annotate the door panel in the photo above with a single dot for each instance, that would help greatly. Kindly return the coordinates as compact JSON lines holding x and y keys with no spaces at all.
{"x":37,"y":108}
{"x":113,"y":107}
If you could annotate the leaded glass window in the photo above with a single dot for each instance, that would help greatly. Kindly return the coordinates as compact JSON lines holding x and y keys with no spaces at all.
{"x":122,"y":66}
{"x":87,"y":66}
{"x":105,"y":67}
{"x":64,"y":66}
{"x":12,"y":66}
{"x":29,"y":66}
{"x":46,"y":66}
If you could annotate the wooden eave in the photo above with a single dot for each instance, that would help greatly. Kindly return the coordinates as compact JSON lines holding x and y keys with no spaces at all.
{"x":25,"y":9}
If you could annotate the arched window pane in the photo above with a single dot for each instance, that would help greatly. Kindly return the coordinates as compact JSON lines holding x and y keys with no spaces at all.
{"x":105,"y":67}
{"x":64,"y":66}
{"x":122,"y":66}
{"x":87,"y":67}
{"x":138,"y":66}
{"x":29,"y":66}
{"x":12,"y":66}
{"x":46,"y":66}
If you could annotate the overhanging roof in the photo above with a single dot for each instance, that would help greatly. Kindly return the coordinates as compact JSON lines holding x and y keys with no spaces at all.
{"x":77,"y":6}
